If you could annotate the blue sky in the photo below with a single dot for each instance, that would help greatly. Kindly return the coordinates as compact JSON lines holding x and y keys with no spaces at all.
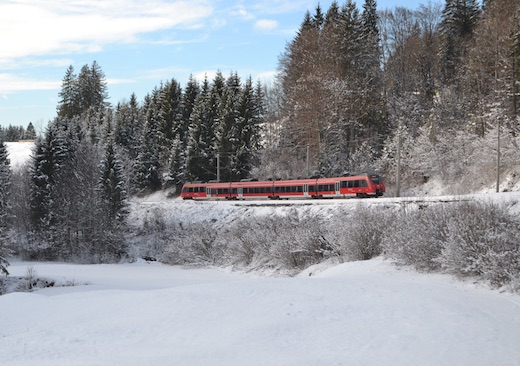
{"x":138,"y":44}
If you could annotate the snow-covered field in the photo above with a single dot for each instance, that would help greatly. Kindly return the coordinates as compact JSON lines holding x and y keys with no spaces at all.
{"x":19,"y":152}
{"x":358,"y":313}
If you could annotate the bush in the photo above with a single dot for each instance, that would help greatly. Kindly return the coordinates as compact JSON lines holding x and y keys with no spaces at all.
{"x":465,"y":239}
{"x":417,"y":237}
{"x":194,"y":246}
{"x":483,"y":241}
{"x":292,"y":241}
{"x":357,"y":234}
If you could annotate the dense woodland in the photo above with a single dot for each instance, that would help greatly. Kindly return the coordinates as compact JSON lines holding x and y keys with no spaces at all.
{"x":357,"y":89}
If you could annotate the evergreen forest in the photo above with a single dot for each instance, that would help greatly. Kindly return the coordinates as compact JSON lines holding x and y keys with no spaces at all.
{"x":426,"y":94}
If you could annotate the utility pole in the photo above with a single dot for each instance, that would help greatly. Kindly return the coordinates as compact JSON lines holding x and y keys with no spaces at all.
{"x":398,"y":183}
{"x":308,"y":163}
{"x":218,"y":167}
{"x":496,"y":110}
{"x":498,"y":154}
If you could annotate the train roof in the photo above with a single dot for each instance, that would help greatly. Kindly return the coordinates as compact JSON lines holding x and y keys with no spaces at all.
{"x":289,"y":182}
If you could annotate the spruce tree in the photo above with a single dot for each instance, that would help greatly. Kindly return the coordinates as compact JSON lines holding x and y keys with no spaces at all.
{"x":30,"y":132}
{"x":459,"y":20}
{"x":147,"y":168}
{"x":247,"y":129}
{"x":112,"y":185}
{"x":170,"y":110}
{"x":228,"y":134}
{"x":50,"y":176}
{"x":5,"y":207}
{"x":195,"y":159}
{"x":68,"y":104}
{"x":128,"y":126}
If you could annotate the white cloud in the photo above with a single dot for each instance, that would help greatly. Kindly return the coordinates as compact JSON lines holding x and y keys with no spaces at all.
{"x":241,"y":12}
{"x":10,"y":83}
{"x":282,"y":6}
{"x":39,"y":27}
{"x":266,"y":24}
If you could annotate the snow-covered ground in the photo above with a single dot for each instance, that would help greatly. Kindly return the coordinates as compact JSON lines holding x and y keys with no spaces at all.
{"x":358,"y":313}
{"x":19,"y":152}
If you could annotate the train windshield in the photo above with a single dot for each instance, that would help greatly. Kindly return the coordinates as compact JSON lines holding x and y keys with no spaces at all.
{"x":376,"y":179}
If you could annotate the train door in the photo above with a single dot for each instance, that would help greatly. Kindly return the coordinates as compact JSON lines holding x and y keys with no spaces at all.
{"x":208,"y":192}
{"x":338,"y":186}
{"x":240,"y":192}
{"x":305,"y":190}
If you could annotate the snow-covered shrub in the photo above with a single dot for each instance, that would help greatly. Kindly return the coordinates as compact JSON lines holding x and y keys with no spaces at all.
{"x":194,"y":246}
{"x":286,"y":242}
{"x":249,"y":242}
{"x":417,"y":237}
{"x":299,"y":241}
{"x":483,"y":241}
{"x":357,"y":235}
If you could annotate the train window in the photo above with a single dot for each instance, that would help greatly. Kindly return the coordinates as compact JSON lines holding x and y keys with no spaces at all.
{"x":356,"y":184}
{"x":375,"y":179}
{"x":300,"y":188}
{"x":234,"y":191}
{"x":363,"y":183}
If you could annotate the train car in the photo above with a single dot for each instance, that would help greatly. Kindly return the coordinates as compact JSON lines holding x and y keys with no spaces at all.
{"x":366,"y":185}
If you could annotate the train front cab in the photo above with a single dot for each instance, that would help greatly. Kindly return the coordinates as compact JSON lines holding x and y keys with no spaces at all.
{"x":193,"y":191}
{"x":378,"y":184}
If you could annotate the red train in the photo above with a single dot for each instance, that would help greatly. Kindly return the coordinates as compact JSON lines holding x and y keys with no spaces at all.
{"x":366,"y":185}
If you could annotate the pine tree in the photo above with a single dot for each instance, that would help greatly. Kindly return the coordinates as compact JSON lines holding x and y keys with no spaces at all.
{"x":459,"y":19}
{"x":50,"y":179}
{"x":228,"y":134}
{"x":197,"y":162}
{"x":68,"y":104}
{"x":128,"y":126}
{"x":176,"y":173}
{"x":147,"y":168}
{"x":191,"y":91}
{"x":373,"y":114}
{"x":170,"y":110}
{"x":112,"y":186}
{"x":319,"y":19}
{"x":5,"y":207}
{"x":248,"y":129}
{"x":30,"y":132}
